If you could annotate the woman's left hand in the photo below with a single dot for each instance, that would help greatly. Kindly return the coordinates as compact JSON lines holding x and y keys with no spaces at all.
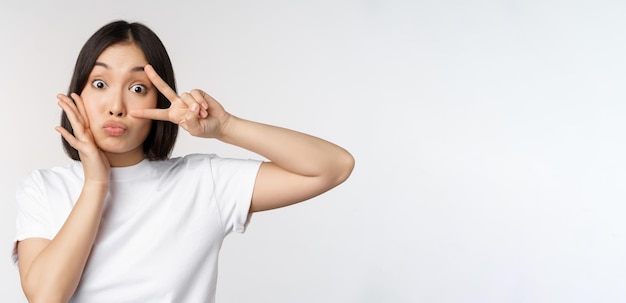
{"x":195,"y":111}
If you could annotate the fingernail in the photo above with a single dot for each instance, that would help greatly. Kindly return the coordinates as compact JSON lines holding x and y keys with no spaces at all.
{"x":194,"y":107}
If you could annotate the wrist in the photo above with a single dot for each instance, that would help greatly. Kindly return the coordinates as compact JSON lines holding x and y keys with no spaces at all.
{"x":96,"y":185}
{"x":226,"y":130}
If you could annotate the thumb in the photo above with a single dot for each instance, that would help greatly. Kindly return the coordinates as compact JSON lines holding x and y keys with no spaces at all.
{"x":191,"y":120}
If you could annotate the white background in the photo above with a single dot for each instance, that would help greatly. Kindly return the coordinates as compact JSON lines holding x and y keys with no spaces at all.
{"x":488,"y":135}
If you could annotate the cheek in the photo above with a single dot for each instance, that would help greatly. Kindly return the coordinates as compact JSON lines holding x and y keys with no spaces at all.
{"x":143,"y":128}
{"x":142,"y":103}
{"x":90,"y":105}
{"x":153,"y":99}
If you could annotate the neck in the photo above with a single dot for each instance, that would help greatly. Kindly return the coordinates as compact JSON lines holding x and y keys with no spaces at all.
{"x":122,"y":160}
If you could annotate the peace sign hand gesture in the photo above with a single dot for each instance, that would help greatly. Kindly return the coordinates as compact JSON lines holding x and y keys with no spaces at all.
{"x":195,"y":111}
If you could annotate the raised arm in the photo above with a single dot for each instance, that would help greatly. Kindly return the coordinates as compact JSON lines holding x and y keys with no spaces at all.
{"x":51,"y":269}
{"x":300,"y":166}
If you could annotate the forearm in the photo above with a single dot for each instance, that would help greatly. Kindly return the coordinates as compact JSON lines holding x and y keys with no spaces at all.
{"x":293,"y":151}
{"x":55,"y":272}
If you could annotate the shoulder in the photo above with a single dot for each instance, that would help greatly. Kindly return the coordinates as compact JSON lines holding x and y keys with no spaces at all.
{"x":208,"y":163}
{"x":50,"y":188}
{"x":56,"y":176}
{"x":182,"y":163}
{"x":194,"y":160}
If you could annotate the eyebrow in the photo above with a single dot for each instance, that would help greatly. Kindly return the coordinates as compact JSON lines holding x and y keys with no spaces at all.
{"x":134,"y":69}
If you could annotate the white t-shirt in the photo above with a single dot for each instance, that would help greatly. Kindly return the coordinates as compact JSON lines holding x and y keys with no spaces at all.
{"x":162,"y":227}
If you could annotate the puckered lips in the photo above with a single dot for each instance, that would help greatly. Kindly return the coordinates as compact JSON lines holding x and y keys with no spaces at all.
{"x":113,"y":128}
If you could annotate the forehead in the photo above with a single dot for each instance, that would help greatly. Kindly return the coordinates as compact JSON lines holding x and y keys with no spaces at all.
{"x":122,"y":57}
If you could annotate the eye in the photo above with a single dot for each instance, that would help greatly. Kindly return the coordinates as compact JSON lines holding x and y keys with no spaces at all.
{"x":138,"y":88}
{"x":98,"y":84}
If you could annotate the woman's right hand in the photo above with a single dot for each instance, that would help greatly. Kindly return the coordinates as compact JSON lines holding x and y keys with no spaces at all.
{"x":96,"y":165}
{"x":50,"y":270}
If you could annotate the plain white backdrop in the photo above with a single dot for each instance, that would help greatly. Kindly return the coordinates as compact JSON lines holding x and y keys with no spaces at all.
{"x":488,"y":135}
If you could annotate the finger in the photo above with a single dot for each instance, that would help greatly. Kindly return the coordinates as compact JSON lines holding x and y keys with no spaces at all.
{"x":190,"y":120}
{"x":72,"y":115}
{"x":67,"y":104}
{"x":161,"y":85}
{"x":190,"y":100}
{"x":200,"y":96}
{"x":81,"y":109}
{"x":151,"y":113}
{"x":67,"y":136}
{"x":212,"y":105}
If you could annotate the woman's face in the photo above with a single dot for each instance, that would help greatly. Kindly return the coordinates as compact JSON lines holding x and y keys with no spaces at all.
{"x":116,"y":85}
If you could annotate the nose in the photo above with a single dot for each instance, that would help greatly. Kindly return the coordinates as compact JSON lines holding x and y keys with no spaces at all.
{"x":116,"y":113}
{"x":116,"y":105}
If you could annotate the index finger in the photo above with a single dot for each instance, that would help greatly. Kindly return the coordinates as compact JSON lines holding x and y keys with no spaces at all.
{"x":151,"y":113}
{"x":161,"y":85}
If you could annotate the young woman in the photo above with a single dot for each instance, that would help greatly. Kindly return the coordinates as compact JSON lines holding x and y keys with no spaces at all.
{"x":124,"y":222}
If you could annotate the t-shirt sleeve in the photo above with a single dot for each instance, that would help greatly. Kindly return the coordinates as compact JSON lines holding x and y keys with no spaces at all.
{"x":234,"y":183}
{"x":33,"y":214}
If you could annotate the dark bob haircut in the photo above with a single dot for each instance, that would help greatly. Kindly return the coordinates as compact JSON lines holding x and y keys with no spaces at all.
{"x":160,"y":141}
